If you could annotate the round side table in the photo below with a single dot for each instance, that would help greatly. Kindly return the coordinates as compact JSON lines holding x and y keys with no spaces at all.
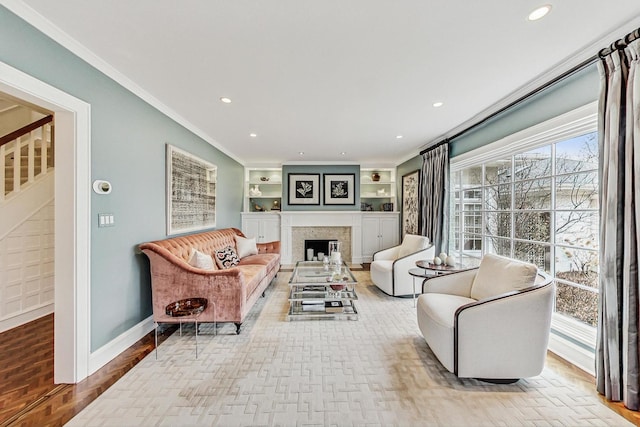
{"x":418,"y":273}
{"x":187,"y":310}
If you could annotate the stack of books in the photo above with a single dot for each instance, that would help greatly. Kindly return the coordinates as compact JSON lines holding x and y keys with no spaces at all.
{"x":333,"y":306}
{"x":313,"y":306}
{"x":322,"y":306}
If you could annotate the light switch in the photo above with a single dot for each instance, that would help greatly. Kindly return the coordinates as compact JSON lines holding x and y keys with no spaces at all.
{"x":106,"y":220}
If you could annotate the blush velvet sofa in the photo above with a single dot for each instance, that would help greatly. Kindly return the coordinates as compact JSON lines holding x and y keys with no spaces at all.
{"x":233,"y":291}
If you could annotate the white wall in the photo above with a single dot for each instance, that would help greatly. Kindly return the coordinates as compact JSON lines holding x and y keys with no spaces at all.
{"x":27,"y":269}
{"x":14,"y":118}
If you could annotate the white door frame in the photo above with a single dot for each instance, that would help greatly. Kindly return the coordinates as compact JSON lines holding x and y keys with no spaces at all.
{"x":72,"y":219}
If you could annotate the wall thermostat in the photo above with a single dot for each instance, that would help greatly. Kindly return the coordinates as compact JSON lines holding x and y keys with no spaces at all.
{"x":101,"y":187}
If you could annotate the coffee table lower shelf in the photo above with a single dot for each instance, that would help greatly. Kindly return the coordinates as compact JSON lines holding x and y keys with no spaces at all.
{"x":297,"y":312}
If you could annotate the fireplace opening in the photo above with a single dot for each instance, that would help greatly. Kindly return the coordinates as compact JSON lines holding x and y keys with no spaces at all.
{"x":314,"y":247}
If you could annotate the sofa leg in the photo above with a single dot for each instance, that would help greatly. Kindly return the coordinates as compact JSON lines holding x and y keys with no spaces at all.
{"x":263,"y":294}
{"x":238,"y":327}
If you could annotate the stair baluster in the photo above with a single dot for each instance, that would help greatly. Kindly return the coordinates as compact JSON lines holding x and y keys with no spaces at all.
{"x":24,"y":156}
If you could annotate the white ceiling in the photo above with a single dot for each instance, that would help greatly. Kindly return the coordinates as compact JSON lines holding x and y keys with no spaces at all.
{"x":329,"y":76}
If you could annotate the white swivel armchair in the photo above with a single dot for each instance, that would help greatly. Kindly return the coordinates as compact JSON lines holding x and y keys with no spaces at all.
{"x":390,"y":267}
{"x":491,"y":323}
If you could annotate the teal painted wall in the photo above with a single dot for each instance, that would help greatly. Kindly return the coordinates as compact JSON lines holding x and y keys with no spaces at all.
{"x":575,"y":91}
{"x":320,"y":169}
{"x":128,"y":139}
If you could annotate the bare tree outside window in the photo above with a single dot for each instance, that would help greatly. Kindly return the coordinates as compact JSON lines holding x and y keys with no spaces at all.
{"x":539,"y":206}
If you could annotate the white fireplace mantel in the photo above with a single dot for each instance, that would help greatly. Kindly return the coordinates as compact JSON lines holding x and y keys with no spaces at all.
{"x":290,"y":220}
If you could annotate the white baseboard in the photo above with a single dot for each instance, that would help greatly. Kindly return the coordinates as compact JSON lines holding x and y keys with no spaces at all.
{"x":26,"y":317}
{"x":579,"y":356}
{"x":111,"y":350}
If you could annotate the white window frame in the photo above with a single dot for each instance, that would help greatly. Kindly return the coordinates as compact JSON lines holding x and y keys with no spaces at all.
{"x":570,"y":339}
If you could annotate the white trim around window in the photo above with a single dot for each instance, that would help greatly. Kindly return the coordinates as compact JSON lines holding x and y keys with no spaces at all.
{"x":574,"y":123}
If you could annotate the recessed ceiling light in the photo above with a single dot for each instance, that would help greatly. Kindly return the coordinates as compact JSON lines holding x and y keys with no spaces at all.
{"x":398,"y":136}
{"x":539,"y":13}
{"x":438,"y":104}
{"x":252,"y":135}
{"x":301,"y":153}
{"x":343,"y":153}
{"x":225,"y":100}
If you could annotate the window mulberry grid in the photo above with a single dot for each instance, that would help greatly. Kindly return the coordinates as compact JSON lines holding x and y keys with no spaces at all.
{"x":538,"y":203}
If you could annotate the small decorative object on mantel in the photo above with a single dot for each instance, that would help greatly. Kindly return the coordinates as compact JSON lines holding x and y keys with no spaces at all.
{"x":375,"y":177}
{"x":276,"y":205}
{"x":264,"y":178}
{"x":257,"y":207}
{"x":387,"y":207}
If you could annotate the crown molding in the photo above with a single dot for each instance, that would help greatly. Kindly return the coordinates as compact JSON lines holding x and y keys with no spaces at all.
{"x":567,"y":64}
{"x":45,"y":26}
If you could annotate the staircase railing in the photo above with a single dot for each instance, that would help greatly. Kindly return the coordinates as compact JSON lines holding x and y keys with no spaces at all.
{"x":25,"y":154}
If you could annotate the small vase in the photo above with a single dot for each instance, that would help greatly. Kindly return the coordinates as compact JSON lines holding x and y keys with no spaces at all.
{"x":375,"y":177}
{"x":255,"y":191}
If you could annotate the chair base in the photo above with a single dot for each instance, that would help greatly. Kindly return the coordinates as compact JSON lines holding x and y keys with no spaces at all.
{"x":499,"y":380}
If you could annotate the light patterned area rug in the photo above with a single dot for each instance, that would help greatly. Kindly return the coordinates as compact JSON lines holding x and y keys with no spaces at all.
{"x":374,"y":371}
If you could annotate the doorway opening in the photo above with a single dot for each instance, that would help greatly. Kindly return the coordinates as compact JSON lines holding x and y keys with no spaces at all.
{"x":72,"y":213}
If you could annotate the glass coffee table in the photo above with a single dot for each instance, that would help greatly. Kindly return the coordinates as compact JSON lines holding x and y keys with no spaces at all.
{"x":319,"y":291}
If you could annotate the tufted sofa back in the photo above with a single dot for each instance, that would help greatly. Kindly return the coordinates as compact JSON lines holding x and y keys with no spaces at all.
{"x":207,"y":242}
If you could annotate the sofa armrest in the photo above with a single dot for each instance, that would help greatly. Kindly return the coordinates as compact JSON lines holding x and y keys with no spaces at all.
{"x":505,"y":336}
{"x":453,"y":284}
{"x":269,"y":247}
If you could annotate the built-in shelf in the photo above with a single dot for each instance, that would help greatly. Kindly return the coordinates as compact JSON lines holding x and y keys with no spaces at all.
{"x":262,"y":190}
{"x":378,"y":194}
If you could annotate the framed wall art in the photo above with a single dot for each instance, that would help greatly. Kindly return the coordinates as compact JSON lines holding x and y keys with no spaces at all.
{"x":191,"y":192}
{"x":304,"y":189}
{"x":411,"y":203}
{"x":339,"y":189}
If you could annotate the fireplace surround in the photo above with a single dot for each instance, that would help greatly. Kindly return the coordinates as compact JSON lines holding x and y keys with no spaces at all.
{"x":296,"y":227}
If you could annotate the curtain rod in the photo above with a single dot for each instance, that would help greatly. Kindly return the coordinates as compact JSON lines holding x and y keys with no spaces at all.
{"x":434,"y":146}
{"x":571,"y":71}
{"x":619,"y":44}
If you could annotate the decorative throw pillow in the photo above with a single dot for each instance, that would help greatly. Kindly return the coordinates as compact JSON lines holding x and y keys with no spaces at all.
{"x":227,"y":257}
{"x":201,"y":260}
{"x":498,"y":275}
{"x":246,"y":246}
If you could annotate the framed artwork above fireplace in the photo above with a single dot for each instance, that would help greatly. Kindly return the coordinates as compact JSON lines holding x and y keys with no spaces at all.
{"x":304,"y":189}
{"x":339,"y":189}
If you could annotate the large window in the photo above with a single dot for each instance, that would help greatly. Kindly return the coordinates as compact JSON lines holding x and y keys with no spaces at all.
{"x":537,"y":202}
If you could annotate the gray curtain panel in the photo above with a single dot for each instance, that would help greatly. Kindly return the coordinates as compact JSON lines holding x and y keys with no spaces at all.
{"x":619,"y":137}
{"x":434,"y":191}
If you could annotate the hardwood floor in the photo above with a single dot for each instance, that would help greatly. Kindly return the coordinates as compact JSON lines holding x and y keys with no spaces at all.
{"x":29,"y":397}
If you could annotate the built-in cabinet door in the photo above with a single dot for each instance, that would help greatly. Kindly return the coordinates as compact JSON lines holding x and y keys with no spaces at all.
{"x":370,"y":237}
{"x":271,"y":229}
{"x":389,"y":232}
{"x":251,"y":228}
{"x":264,"y":227}
{"x":378,"y":232}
